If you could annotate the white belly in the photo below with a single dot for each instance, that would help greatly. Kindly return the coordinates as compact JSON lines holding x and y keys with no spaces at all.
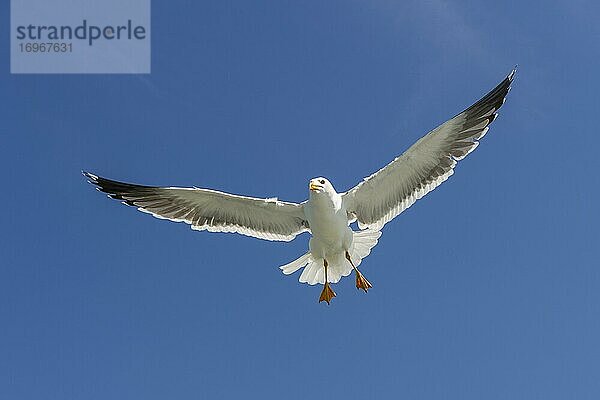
{"x":329,"y":227}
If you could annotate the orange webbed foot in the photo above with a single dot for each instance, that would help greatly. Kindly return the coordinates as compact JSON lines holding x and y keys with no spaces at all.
{"x":327,"y":294}
{"x":362,"y":282}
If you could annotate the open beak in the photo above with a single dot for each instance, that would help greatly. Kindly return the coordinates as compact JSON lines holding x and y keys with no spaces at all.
{"x":313,"y":186}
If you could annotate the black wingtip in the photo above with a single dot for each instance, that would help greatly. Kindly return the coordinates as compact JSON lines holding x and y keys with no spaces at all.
{"x":511,"y":76}
{"x":117,"y":190}
{"x":93,"y":179}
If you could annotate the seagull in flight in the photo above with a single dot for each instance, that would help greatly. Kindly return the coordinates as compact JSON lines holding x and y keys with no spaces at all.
{"x":335,"y":249}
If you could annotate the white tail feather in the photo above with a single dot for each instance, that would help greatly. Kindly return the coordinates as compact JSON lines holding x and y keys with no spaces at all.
{"x":296,"y":264}
{"x":338,"y":266}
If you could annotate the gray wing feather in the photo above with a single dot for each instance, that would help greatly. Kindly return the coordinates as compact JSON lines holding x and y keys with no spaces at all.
{"x":425,"y":165}
{"x":211,"y":210}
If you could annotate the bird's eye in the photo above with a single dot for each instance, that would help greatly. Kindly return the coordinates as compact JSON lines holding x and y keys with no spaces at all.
{"x":322,"y":181}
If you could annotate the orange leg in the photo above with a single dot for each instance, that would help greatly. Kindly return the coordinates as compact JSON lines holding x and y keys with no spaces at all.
{"x":327,"y":294}
{"x":361,"y":281}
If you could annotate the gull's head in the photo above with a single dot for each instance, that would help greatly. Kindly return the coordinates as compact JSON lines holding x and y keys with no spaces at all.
{"x":320,"y":185}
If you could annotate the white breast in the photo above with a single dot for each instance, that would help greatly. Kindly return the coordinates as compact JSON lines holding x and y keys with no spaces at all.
{"x":328,"y":223}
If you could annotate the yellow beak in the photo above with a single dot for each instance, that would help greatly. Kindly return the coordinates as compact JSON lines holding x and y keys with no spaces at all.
{"x":313,"y":186}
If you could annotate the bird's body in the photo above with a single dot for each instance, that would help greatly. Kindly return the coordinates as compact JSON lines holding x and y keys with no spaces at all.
{"x":328,"y":221}
{"x":334,"y":248}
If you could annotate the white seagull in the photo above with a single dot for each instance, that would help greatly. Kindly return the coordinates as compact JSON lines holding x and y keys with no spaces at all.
{"x":335,"y":249}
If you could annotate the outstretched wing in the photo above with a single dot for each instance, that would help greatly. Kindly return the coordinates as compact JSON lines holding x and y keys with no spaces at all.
{"x":425,"y":165}
{"x":211,"y":210}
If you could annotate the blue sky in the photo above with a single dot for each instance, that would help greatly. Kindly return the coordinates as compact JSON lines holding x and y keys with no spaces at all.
{"x":486,"y":288}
